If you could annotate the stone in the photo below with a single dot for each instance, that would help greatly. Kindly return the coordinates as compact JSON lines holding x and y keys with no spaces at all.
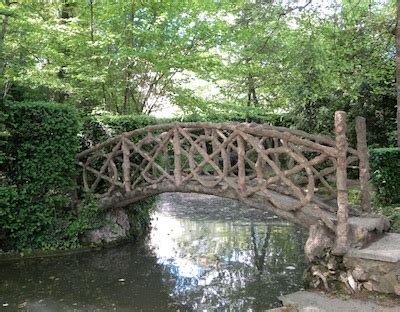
{"x":282,"y":309}
{"x":365,"y":229}
{"x":312,"y":309}
{"x":318,"y":242}
{"x":386,"y":249}
{"x":316,"y":301}
{"x":117,"y":227}
{"x":359,"y":274}
{"x":368,"y":286}
{"x":396,"y":289}
{"x":375,"y":275}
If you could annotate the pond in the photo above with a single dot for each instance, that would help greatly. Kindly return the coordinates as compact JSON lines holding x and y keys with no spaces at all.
{"x":203,"y":253}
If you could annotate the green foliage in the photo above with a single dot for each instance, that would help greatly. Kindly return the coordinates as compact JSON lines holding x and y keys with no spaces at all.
{"x":8,"y":204}
{"x":120,"y":55}
{"x":241,"y":115}
{"x":39,"y":182}
{"x":392,"y":212}
{"x":44,"y":146}
{"x":354,"y":196}
{"x":89,"y":217}
{"x":41,"y":177}
{"x":385,"y":169}
{"x":98,"y":128}
{"x":207,"y":57}
{"x":139,"y":216}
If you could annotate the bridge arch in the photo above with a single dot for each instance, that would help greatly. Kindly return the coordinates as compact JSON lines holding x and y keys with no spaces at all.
{"x":299,"y":176}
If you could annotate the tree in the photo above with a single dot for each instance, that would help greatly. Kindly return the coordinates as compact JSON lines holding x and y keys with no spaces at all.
{"x":274,"y":55}
{"x":398,"y":71}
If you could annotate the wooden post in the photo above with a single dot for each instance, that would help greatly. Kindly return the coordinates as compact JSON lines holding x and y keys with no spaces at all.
{"x":214,"y":144}
{"x":166,"y":158}
{"x":362,"y":149}
{"x":177,"y":158}
{"x":275,"y":155}
{"x":342,"y":226}
{"x":241,"y":164}
{"x":126,"y":165}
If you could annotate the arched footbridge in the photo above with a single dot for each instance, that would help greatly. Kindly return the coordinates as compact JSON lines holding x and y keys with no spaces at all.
{"x":299,"y":176}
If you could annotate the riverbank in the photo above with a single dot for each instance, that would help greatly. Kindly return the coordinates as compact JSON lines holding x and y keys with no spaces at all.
{"x":37,"y":254}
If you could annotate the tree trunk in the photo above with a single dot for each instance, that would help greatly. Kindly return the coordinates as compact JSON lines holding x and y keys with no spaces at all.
{"x":251,"y":93}
{"x":398,"y":71}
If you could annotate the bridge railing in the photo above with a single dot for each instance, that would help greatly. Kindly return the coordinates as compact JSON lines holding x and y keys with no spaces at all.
{"x":236,"y":160}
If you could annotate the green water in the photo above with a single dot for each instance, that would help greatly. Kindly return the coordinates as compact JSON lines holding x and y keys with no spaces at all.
{"x":202,"y":254}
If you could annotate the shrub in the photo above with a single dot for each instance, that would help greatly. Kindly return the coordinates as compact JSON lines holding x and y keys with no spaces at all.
{"x":385,"y":171}
{"x":42,"y":144}
{"x":257,"y":116}
{"x":98,"y":128}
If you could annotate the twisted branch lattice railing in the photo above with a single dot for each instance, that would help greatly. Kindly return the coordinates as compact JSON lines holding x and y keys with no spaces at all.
{"x":243,"y":160}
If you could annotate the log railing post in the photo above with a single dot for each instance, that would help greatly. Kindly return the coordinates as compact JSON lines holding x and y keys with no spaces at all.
{"x":342,"y":227}
{"x":241,"y":164}
{"x":177,"y":158}
{"x":166,"y":158}
{"x":126,"y":165}
{"x":214,"y":144}
{"x":362,"y":149}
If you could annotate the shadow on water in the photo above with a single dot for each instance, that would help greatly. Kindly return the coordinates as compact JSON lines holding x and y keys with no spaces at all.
{"x":203,"y":253}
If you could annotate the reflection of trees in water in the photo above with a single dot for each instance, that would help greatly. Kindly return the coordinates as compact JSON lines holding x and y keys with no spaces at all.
{"x":245,"y":267}
{"x":279,"y":262}
{"x":259,"y":255}
{"x":88,"y":282}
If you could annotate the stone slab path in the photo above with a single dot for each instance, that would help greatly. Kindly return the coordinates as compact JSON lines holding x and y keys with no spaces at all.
{"x":385,"y":249}
{"x":305,"y":301}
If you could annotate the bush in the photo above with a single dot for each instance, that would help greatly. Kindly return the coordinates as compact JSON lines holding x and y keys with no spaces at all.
{"x":38,"y":176}
{"x":257,"y":116}
{"x":42,"y":144}
{"x":385,"y":171}
{"x":98,"y":128}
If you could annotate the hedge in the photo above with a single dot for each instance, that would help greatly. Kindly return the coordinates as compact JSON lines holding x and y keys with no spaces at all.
{"x":98,"y":128}
{"x":385,"y":173}
{"x":36,"y":199}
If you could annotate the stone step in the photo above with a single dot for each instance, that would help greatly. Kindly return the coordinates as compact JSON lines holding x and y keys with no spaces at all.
{"x":366,"y":229}
{"x":386,"y":249}
{"x":377,"y":266}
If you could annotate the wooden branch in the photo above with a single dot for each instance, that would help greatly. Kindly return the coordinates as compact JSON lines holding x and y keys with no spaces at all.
{"x":177,"y":158}
{"x":126,"y":165}
{"x":342,"y":227}
{"x":362,"y":148}
{"x":241,"y":164}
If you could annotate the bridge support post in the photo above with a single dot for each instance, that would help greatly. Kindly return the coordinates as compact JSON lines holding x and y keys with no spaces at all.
{"x":177,"y":158}
{"x":342,"y":227}
{"x":362,"y":149}
{"x":126,"y":165}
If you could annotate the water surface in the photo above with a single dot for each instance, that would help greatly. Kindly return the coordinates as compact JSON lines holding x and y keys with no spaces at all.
{"x":203,"y":253}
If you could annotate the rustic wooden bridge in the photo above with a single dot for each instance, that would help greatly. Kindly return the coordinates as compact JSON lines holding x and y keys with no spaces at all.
{"x":300,"y":177}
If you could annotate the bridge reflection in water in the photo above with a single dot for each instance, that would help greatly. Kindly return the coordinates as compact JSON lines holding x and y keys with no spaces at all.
{"x":221,"y":254}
